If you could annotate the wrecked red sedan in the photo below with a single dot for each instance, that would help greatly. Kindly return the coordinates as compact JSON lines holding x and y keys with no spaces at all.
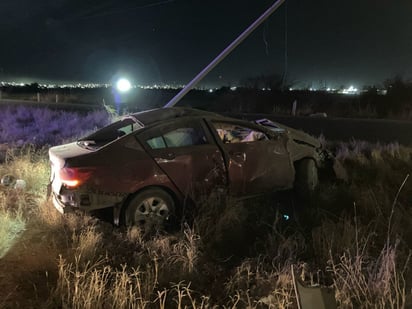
{"x":148,"y":165}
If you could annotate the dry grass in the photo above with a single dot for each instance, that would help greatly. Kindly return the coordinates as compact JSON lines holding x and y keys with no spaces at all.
{"x":28,"y":164}
{"x":363,"y":281}
{"x":354,"y":237}
{"x":11,"y":226}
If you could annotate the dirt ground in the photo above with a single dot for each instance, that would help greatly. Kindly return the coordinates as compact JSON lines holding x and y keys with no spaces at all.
{"x":28,"y":271}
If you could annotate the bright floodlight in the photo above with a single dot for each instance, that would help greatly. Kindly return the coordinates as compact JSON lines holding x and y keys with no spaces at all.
{"x":123,"y":85}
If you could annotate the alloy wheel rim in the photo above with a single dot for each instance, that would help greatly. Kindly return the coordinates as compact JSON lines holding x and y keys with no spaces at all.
{"x":151,"y":213}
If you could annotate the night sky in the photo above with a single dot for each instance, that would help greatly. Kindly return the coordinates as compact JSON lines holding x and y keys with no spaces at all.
{"x":329,"y":43}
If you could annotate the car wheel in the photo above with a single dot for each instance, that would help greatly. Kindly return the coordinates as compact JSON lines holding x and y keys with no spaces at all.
{"x":150,"y":210}
{"x":307,"y":178}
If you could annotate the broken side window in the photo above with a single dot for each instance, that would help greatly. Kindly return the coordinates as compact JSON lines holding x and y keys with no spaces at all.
{"x":180,"y":137}
{"x":234,"y":133}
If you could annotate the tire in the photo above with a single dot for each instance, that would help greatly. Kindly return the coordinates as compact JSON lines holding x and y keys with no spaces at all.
{"x":307,"y":178}
{"x":150,"y":210}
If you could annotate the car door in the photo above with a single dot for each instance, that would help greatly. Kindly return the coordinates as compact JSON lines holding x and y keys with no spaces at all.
{"x":188,"y":155}
{"x":257,"y":161}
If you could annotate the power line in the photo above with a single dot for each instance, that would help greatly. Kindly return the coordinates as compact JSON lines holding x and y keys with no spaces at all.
{"x":265,"y":41}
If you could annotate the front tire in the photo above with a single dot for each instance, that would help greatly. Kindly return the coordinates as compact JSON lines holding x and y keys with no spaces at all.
{"x":307,"y":177}
{"x":150,"y":210}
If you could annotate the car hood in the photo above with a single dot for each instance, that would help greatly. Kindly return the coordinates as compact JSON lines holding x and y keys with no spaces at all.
{"x":296,"y":135}
{"x":302,"y":137}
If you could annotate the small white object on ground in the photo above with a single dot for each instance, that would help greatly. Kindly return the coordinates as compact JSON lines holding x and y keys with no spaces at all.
{"x":20,"y":184}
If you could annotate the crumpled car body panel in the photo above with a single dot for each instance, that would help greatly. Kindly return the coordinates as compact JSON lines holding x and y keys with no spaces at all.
{"x":188,"y":153}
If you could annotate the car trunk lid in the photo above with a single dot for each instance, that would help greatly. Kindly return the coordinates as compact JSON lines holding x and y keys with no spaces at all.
{"x":58,"y":156}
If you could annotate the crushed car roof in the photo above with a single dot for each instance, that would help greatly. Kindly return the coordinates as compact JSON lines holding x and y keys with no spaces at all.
{"x":155,"y":115}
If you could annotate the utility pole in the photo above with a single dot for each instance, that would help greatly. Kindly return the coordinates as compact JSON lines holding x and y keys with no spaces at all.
{"x":285,"y":73}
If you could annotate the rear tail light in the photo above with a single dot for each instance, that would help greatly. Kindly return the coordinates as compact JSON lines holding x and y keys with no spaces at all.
{"x":73,"y":177}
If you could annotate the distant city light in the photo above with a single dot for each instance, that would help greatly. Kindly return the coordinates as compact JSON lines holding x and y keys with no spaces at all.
{"x":350,"y":90}
{"x":123,"y":85}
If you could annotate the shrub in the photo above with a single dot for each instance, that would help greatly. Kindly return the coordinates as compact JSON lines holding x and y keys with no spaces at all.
{"x":42,"y":126}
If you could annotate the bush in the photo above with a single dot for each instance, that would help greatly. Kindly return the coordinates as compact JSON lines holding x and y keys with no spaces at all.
{"x":41,"y":126}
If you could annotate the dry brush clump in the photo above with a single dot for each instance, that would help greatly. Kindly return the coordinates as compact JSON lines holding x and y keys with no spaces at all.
{"x":11,"y":226}
{"x":29,"y":164}
{"x":18,"y":203}
{"x":152,"y":275}
{"x":354,"y":237}
{"x":367,"y":238}
{"x":42,"y":126}
{"x":366,"y":281}
{"x":162,"y":271}
{"x":366,"y":271}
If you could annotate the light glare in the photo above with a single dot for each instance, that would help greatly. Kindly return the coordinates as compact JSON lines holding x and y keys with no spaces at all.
{"x":123,"y":85}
